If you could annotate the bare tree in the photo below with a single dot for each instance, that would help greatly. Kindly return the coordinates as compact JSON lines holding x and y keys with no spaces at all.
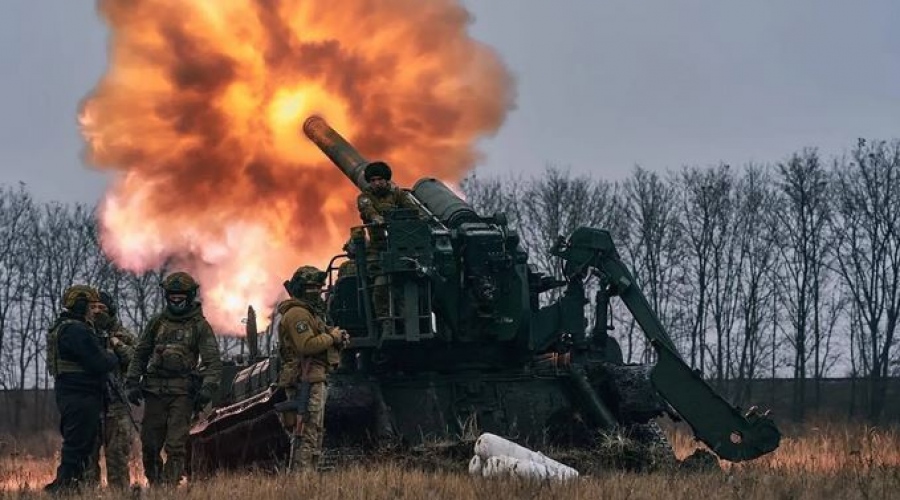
{"x":653,"y":248}
{"x":802,"y":214}
{"x":756,"y":243}
{"x":554,"y":204}
{"x":493,"y":195}
{"x":706,"y":216}
{"x":15,"y":206}
{"x":867,"y":195}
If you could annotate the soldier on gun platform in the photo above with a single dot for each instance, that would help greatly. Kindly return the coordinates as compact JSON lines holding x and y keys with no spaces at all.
{"x":167,"y":356}
{"x":377,"y":198}
{"x":308,"y":350}
{"x":115,"y":438}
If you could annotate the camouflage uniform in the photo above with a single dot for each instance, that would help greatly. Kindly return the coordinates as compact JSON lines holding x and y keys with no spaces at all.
{"x":166,"y":357}
{"x":372,"y":206}
{"x":116,"y":436}
{"x":308,"y":350}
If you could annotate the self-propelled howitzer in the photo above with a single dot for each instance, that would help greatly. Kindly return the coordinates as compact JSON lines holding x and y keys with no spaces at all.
{"x":481,"y":291}
{"x":475,"y":343}
{"x":454,"y":275}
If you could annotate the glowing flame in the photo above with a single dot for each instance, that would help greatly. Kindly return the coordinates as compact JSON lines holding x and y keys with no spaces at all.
{"x":200,"y":112}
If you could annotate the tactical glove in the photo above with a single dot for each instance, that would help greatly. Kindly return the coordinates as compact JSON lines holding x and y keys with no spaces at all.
{"x":341,"y":338}
{"x":203,"y":398}
{"x":133,"y":393}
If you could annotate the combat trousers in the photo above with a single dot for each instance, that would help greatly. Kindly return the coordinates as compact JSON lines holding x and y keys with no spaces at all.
{"x":166,"y":424}
{"x":79,"y":425}
{"x":381,"y":297}
{"x":308,"y":446}
{"x":115,"y":439}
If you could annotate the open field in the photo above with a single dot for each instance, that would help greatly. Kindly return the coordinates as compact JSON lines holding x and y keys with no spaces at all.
{"x":826,"y":461}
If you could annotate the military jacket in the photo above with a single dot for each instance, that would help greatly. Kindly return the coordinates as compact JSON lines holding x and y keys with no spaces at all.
{"x":372,"y":208}
{"x":74,"y":357}
{"x":172,"y":348}
{"x":306,"y":345}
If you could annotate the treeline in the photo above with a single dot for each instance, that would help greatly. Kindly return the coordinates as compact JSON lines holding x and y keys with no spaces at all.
{"x":789,"y":269}
{"x":786,"y":269}
{"x":44,"y":248}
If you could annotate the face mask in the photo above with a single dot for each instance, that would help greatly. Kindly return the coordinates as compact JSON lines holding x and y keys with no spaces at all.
{"x":178,"y":307}
{"x":102,"y":320}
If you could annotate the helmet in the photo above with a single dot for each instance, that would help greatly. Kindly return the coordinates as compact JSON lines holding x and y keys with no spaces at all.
{"x":309,"y":275}
{"x":180,"y":282}
{"x":77,"y":297}
{"x":379,"y":168}
{"x":304,"y":277}
{"x":107,"y":300}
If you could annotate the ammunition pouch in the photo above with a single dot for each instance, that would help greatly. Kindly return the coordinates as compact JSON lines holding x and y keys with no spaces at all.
{"x":171,"y":360}
{"x":167,"y":385}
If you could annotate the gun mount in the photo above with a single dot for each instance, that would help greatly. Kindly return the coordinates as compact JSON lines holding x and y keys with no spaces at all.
{"x":473,"y":343}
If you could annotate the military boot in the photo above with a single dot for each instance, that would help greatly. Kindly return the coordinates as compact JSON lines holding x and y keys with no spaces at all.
{"x":304,"y":460}
{"x":172,"y":470}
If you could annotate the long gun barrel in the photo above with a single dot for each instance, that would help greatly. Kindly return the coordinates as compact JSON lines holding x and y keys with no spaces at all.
{"x":336,"y":148}
{"x":449,"y":208}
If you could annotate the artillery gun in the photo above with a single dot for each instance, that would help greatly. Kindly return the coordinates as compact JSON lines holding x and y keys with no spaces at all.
{"x":472,"y":345}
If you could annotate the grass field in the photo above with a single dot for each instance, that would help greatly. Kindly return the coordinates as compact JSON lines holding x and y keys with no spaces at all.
{"x":815,"y":462}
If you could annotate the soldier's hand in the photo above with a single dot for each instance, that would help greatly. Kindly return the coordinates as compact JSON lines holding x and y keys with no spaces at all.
{"x":203,"y":398}
{"x":134,"y":394}
{"x":378,"y":219}
{"x":339,"y":337}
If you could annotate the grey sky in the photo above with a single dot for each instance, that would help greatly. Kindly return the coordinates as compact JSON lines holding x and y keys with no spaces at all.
{"x":602,"y":85}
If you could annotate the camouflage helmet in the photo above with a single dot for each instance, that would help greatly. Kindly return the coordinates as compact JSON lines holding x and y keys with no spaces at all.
{"x":377,"y":168}
{"x":79,"y":292}
{"x":309,"y":275}
{"x":179,"y":282}
{"x":303,"y":278}
{"x":108,"y":301}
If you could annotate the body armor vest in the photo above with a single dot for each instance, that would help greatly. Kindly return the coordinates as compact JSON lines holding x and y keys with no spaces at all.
{"x":55,"y":365}
{"x":174,"y":349}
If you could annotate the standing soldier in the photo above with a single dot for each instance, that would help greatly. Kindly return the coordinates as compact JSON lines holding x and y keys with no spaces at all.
{"x":166,"y":357}
{"x":309,"y":350}
{"x":115,"y":437}
{"x":79,"y":366}
{"x":376,"y":199}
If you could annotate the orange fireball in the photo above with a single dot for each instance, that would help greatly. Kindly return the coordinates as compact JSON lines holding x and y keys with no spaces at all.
{"x":200,"y":111}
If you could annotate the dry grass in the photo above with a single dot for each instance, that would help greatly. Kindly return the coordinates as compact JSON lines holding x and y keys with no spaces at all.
{"x":816,"y":462}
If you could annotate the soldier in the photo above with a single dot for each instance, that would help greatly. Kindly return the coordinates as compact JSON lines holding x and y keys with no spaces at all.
{"x":115,"y":438}
{"x":377,"y":198}
{"x":79,"y":366}
{"x":166,"y":357}
{"x":309,"y":350}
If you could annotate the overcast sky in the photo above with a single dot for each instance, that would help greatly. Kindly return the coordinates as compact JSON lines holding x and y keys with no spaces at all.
{"x":603,"y":85}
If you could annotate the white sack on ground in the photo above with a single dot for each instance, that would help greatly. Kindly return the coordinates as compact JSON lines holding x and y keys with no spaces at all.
{"x":505,"y":466}
{"x":490,"y":445}
{"x":475,"y":466}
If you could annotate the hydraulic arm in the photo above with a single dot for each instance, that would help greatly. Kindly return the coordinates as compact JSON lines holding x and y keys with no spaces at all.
{"x":729,"y":433}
